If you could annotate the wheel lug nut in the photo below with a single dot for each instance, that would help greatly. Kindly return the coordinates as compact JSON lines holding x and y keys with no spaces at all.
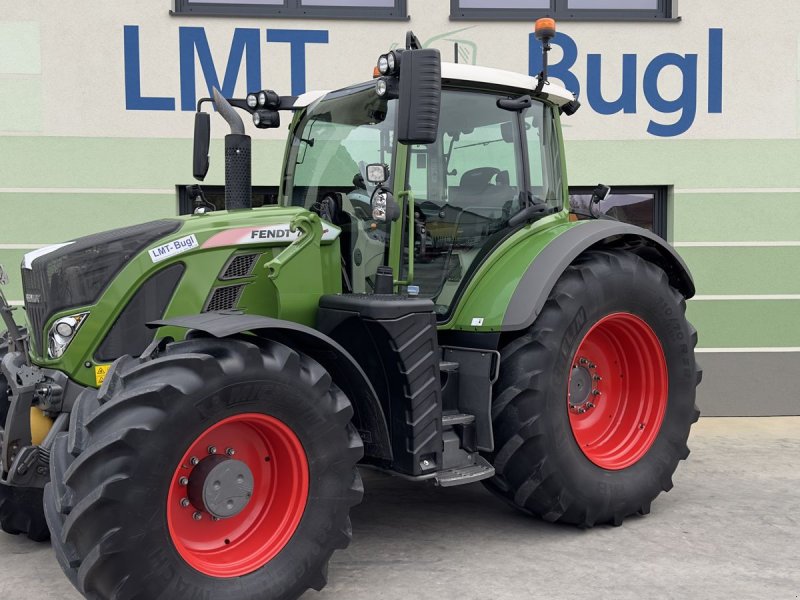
{"x":194,"y":461}
{"x":197,"y":516}
{"x":185,"y":502}
{"x":212,"y":449}
{"x":183,"y":481}
{"x":230,"y":451}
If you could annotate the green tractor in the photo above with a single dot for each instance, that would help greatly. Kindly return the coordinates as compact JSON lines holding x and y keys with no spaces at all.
{"x":192,"y":398}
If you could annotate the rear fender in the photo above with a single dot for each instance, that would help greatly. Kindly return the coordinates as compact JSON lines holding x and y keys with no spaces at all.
{"x":344,"y":370}
{"x":538,"y":281}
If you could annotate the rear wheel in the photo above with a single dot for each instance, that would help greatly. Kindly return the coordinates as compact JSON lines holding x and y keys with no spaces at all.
{"x":594,"y":402}
{"x":21,"y":509}
{"x":223,"y":468}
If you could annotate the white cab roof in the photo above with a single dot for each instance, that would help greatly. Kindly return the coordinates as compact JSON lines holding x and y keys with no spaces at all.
{"x":472,"y":74}
{"x":498,"y":77}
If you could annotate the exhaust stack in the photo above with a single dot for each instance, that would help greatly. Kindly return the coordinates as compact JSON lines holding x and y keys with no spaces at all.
{"x":238,"y":159}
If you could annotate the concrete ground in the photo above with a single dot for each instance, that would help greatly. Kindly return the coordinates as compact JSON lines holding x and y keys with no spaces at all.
{"x":729,"y":529}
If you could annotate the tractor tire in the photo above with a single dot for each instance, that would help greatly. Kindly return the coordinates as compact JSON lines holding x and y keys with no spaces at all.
{"x":21,"y":509}
{"x":594,"y":402}
{"x":253,"y":432}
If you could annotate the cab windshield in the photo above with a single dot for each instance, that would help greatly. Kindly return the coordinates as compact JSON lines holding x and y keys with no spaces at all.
{"x":334,"y":142}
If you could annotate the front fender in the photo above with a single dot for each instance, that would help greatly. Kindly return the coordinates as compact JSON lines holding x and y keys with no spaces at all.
{"x":344,"y":370}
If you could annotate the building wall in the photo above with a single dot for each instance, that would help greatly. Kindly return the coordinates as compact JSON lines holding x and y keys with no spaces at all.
{"x":93,"y":135}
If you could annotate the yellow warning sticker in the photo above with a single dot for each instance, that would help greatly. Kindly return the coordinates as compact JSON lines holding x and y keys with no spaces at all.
{"x":100,"y":372}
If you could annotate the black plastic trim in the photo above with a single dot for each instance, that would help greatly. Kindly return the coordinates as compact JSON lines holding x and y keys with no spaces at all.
{"x":292,"y":9}
{"x":560,"y":11}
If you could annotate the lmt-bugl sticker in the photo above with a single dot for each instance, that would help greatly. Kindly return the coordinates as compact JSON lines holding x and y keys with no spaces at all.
{"x":172,"y":248}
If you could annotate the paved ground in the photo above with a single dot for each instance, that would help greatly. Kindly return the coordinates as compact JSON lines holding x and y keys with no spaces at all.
{"x":729,"y":529}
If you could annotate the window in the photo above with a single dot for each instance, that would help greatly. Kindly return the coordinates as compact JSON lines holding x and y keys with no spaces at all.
{"x":325,"y":9}
{"x":262,"y":196}
{"x":587,"y":10}
{"x":642,"y":206}
{"x":541,"y":135}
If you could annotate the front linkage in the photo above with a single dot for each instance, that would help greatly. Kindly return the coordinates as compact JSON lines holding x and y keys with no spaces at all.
{"x":32,"y":401}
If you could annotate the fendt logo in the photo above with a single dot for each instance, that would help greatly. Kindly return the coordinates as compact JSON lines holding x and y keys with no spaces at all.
{"x":246,"y":47}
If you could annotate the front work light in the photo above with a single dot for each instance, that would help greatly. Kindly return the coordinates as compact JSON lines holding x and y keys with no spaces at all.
{"x":266,"y":119}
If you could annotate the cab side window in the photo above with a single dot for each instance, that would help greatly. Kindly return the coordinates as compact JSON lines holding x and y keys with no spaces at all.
{"x":542,"y":145}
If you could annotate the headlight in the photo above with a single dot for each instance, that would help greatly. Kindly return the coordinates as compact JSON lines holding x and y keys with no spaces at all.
{"x":383,"y":64}
{"x":62,"y":333}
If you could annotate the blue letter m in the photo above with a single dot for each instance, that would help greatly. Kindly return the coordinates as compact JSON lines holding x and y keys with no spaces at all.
{"x":194,"y":38}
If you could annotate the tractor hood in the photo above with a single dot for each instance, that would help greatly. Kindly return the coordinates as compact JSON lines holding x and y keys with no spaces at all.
{"x":115,"y":282}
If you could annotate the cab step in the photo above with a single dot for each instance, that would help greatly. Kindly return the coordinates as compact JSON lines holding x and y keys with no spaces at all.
{"x":461,"y":475}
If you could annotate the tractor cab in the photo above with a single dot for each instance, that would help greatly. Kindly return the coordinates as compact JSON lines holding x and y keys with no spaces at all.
{"x":450,"y":200}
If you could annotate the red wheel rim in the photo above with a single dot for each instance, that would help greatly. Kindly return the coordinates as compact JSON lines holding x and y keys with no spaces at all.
{"x":617,"y":391}
{"x":241,"y":544}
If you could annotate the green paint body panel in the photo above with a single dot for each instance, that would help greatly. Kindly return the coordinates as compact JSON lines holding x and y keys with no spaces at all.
{"x":292,"y":295}
{"x":489,"y":291}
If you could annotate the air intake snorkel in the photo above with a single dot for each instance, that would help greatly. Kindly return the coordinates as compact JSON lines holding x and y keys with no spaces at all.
{"x":238,"y":187}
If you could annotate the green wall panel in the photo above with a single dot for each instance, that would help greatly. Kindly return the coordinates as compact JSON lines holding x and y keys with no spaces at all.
{"x":744,"y":324}
{"x":11,"y":260}
{"x":48,"y":218}
{"x":122,"y":163}
{"x":736,"y":217}
{"x":744,"y":270}
{"x":686,"y":163}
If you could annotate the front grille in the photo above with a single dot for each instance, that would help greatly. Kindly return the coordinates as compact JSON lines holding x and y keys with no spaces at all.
{"x":239,"y":266}
{"x":224,"y":298}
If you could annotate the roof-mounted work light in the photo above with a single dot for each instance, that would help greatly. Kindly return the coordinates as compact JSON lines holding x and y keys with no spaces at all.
{"x":264,"y":99}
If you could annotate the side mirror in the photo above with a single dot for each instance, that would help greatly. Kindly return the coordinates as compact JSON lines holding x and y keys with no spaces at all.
{"x":384,"y":207}
{"x":600,"y":193}
{"x":377,"y":173}
{"x":202,"y":144}
{"x":420,"y":96}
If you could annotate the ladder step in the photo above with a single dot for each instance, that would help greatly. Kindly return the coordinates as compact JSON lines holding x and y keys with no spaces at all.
{"x":446,"y":366}
{"x":457,"y":419}
{"x":459,"y":476}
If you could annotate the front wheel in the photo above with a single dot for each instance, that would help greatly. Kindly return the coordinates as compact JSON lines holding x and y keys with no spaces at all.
{"x":595,"y":401}
{"x":224,"y":468}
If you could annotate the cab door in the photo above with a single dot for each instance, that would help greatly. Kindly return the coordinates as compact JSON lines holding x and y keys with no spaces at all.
{"x":465,"y":187}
